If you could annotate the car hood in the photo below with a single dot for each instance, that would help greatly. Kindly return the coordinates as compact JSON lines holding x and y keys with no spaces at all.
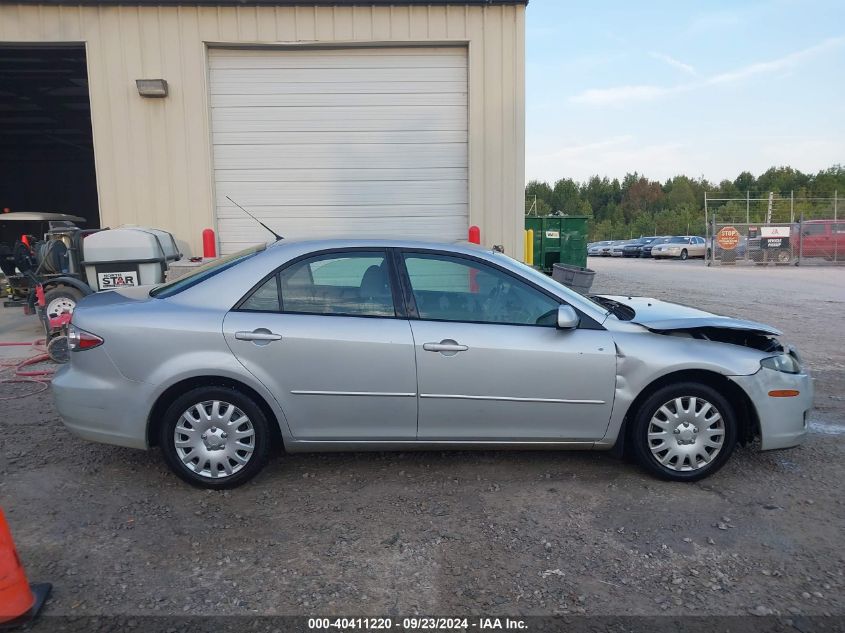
{"x":663,"y":316}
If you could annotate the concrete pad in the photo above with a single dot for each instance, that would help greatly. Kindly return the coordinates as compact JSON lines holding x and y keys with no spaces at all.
{"x":17,"y":327}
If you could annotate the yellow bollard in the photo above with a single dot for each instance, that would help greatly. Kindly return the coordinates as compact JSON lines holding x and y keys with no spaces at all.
{"x":529,"y":250}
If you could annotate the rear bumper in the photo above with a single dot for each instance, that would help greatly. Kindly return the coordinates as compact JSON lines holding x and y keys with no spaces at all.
{"x":100,"y":404}
{"x":783,"y":421}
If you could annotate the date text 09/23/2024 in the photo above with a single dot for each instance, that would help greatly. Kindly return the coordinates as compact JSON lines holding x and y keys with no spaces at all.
{"x":417,"y":623}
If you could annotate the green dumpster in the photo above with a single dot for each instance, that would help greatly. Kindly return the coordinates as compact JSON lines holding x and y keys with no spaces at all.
{"x":558,"y":240}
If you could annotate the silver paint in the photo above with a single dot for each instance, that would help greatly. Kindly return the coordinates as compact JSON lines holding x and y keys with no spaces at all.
{"x":343,"y":383}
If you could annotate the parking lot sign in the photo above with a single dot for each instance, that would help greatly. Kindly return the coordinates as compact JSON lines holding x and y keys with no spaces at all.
{"x":727,"y":238}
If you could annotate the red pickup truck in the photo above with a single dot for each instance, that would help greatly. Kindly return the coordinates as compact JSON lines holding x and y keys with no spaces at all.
{"x":823,"y":238}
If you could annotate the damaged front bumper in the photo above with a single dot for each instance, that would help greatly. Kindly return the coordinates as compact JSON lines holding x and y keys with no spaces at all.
{"x":782,"y":402}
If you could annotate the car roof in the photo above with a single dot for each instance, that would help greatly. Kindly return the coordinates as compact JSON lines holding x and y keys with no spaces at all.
{"x":312,"y":244}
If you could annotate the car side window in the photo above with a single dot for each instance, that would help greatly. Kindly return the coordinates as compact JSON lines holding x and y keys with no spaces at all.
{"x":265,"y":298}
{"x":352,"y":284}
{"x":450,"y":288}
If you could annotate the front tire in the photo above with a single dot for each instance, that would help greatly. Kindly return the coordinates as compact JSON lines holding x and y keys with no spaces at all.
{"x":215,"y":437}
{"x":684,"y":255}
{"x":684,"y":432}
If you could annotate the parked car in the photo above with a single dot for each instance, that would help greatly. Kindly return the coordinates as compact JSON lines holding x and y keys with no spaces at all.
{"x":595,"y":249}
{"x":607,"y":249}
{"x":618,"y":248}
{"x":647,"y":248}
{"x":680,"y":247}
{"x":823,"y":238}
{"x":635,"y":248}
{"x":381,"y":345}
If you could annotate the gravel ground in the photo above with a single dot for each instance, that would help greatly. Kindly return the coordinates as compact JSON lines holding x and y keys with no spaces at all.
{"x":456,"y":532}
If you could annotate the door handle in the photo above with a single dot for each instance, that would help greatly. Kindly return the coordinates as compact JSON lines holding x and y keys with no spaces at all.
{"x":445,"y":347}
{"x":258,"y":335}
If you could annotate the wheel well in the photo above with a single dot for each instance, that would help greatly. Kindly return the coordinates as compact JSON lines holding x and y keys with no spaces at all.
{"x":174,"y":391}
{"x":749,"y":423}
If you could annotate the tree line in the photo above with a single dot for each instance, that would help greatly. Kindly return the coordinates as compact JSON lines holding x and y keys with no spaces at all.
{"x":638,"y":206}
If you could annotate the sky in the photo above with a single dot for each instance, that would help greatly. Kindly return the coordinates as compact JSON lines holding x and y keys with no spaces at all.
{"x":683,"y":87}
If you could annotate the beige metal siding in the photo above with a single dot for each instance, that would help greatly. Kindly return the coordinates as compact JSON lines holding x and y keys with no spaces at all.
{"x":153,"y":156}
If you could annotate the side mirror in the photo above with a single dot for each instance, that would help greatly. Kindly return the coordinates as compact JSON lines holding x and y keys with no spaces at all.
{"x":567,"y":318}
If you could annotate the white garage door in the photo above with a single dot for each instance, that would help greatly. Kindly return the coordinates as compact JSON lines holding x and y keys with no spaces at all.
{"x":340,"y":142}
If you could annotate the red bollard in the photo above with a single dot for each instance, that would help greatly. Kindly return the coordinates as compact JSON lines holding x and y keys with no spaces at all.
{"x":474,"y":238}
{"x":209,"y":244}
{"x":475,"y":234}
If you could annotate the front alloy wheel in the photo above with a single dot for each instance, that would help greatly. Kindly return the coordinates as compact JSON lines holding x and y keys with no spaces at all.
{"x":684,"y":432}
{"x":215,"y":437}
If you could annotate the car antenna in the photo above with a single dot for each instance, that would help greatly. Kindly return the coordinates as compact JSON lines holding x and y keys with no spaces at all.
{"x":276,"y":235}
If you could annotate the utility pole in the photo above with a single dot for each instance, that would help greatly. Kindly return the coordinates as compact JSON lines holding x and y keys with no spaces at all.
{"x":769,"y":212}
{"x":748,"y":207}
{"x":835,"y":241}
{"x":791,"y":207}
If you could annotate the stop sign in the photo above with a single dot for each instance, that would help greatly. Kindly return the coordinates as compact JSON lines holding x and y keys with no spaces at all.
{"x":727,"y":238}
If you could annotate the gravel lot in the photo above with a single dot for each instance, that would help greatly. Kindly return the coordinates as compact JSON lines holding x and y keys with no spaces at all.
{"x":457,"y":532}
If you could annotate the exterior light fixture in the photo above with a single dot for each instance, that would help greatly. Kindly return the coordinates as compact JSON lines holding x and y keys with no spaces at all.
{"x":155,"y":88}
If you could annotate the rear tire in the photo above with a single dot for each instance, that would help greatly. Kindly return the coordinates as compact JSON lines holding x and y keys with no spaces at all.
{"x":60,"y":299}
{"x":684,"y":255}
{"x":215,"y":437}
{"x":684,"y":432}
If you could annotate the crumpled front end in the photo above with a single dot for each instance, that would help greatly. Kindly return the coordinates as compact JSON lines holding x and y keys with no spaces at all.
{"x":782,"y":402}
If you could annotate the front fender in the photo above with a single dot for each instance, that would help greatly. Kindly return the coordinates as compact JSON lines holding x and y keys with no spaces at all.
{"x":84,"y":288}
{"x":645,"y":357}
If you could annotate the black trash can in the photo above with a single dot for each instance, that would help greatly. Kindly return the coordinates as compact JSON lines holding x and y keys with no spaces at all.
{"x":578,"y":278}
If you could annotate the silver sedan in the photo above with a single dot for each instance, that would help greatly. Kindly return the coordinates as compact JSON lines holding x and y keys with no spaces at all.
{"x":383,"y":345}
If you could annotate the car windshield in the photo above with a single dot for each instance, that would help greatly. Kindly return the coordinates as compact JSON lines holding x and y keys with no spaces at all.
{"x":678,"y":240}
{"x":204,"y":272}
{"x":530,"y":272}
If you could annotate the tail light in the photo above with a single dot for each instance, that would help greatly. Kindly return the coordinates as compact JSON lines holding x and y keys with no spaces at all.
{"x":78,"y":339}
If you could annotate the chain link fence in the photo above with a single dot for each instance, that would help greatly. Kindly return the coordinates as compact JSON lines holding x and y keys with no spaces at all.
{"x":775,"y":230}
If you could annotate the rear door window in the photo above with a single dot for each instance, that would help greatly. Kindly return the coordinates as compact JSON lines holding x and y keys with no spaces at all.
{"x":351,"y":284}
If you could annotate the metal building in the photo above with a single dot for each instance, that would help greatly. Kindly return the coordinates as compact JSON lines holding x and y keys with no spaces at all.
{"x":321,"y":118}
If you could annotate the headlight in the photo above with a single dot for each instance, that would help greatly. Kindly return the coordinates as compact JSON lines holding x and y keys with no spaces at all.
{"x":786,"y":363}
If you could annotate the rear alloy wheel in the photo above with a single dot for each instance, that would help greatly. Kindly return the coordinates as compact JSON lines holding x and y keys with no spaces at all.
{"x":684,"y":255}
{"x":784,"y":256}
{"x":215,"y":437}
{"x":684,"y":432}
